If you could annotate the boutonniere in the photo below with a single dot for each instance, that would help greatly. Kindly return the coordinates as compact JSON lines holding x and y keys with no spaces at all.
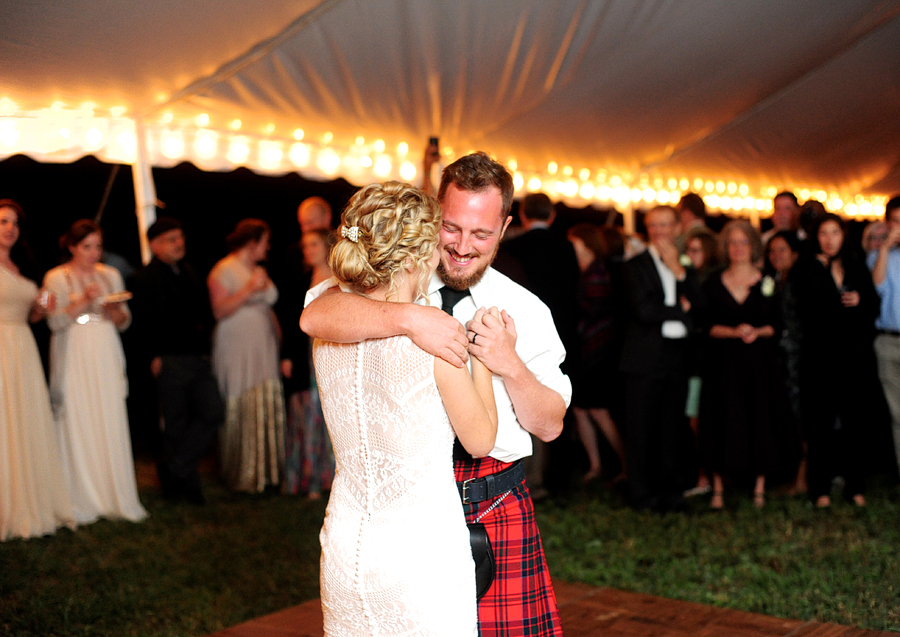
{"x":768,"y":286}
{"x":685,"y":260}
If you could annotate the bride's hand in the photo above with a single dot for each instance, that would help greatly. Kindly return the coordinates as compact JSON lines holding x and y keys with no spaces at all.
{"x":437,"y":333}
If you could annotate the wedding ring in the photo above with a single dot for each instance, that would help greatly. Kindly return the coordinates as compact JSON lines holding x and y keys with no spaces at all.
{"x":474,"y":336}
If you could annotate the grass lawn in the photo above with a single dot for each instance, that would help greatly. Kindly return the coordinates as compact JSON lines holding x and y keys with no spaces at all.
{"x":788,"y":560}
{"x":195,"y":570}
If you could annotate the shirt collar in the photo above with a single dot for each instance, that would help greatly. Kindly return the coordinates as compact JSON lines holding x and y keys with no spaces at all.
{"x":481,"y":291}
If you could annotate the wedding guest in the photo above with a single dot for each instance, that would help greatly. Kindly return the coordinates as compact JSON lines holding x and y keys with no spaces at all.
{"x":34,"y":500}
{"x":88,"y":385}
{"x":246,"y":361}
{"x":395,"y":550}
{"x":785,"y":216}
{"x":309,"y":459}
{"x":594,"y":356}
{"x":702,"y":249}
{"x":885,"y":266}
{"x":172,"y":325}
{"x":692,"y":218}
{"x":782,"y":252}
{"x":553,"y":279}
{"x":838,"y":305}
{"x":874,"y":235}
{"x":742,"y":404}
{"x":661,"y":295}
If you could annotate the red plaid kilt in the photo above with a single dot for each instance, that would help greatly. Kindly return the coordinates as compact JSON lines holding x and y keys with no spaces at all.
{"x":520,"y":601}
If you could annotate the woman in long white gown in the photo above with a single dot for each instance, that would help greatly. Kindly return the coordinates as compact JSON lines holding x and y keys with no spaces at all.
{"x":245,"y":361}
{"x":33,"y":496}
{"x":87,"y":380}
{"x":396,"y":558}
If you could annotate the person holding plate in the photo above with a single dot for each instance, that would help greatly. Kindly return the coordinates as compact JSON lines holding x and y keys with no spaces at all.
{"x":88,"y":385}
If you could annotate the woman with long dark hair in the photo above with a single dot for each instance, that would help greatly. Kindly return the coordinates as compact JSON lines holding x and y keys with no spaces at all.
{"x":33,"y":496}
{"x":837,"y":305}
{"x":596,"y":357}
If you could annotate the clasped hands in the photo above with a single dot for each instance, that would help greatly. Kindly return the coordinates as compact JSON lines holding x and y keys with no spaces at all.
{"x":747,"y":332}
{"x":492,"y":339}
{"x":493,"y":332}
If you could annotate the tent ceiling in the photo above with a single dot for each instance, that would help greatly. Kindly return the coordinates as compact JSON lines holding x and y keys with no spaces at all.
{"x":805,"y":93}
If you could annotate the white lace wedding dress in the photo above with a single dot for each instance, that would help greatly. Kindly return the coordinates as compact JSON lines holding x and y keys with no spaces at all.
{"x":395,"y":548}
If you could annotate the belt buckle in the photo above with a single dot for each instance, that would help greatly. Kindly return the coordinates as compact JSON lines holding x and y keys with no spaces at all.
{"x":465,"y":485}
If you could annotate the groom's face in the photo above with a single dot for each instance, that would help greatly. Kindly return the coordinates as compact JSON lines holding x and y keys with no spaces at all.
{"x":471,"y":228}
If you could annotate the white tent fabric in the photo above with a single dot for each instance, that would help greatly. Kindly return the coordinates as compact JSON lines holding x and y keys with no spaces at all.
{"x":615,"y":100}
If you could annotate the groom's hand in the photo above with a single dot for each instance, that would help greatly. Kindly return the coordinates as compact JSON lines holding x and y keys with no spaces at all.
{"x":494,"y":336}
{"x":437,"y":333}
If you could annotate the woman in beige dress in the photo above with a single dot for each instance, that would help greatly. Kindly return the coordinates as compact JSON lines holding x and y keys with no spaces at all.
{"x":33,"y":496}
{"x":246,"y":363}
{"x":88,"y":385}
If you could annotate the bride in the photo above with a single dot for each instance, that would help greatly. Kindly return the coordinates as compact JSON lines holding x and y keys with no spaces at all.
{"x":395,"y":549}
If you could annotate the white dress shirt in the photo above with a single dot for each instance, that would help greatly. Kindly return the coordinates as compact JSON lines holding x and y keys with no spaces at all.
{"x":537,"y":344}
{"x":670,"y":329}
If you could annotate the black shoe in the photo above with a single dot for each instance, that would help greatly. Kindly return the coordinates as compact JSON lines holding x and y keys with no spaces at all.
{"x":194,"y":495}
{"x":171,"y":489}
{"x":190,"y":487}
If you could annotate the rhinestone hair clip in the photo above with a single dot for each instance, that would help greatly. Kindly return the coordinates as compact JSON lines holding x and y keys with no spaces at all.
{"x":351,"y":233}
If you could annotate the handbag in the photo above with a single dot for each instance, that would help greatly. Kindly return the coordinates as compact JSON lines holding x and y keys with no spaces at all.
{"x":483,"y":554}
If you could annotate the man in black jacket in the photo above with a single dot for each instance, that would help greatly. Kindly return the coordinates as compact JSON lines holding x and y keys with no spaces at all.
{"x":172,"y":321}
{"x":544,"y":263}
{"x":661,"y":294}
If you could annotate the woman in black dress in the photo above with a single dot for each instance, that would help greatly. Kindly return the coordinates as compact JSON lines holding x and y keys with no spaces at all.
{"x":592,"y":378}
{"x":837,"y":305}
{"x":782,"y":252}
{"x":741,"y":407}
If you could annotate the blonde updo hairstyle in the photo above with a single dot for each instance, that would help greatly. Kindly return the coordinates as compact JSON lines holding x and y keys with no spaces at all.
{"x":398,"y":229}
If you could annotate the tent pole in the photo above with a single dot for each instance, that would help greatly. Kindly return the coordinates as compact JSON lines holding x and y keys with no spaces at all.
{"x":754,"y":217}
{"x":144,"y":189}
{"x":629,"y":218}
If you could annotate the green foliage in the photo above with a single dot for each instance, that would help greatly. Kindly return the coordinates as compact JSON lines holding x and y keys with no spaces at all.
{"x":195,"y":570}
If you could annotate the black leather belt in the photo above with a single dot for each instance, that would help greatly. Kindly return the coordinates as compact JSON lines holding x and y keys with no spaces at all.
{"x":489,"y":487}
{"x":889,"y":332}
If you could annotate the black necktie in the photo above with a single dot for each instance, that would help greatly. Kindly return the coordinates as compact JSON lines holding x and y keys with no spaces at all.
{"x":450,"y":297}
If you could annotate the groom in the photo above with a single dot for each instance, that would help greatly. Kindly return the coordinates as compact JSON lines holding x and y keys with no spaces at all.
{"x":524,"y":354}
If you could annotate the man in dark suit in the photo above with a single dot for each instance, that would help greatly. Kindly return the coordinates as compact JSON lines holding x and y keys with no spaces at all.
{"x":172,"y":322}
{"x":661,"y":294}
{"x":544,"y":263}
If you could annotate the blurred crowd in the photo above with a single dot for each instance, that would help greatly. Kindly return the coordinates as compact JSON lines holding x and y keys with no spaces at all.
{"x":227,"y":366}
{"x":712,"y":361}
{"x":706,"y":361}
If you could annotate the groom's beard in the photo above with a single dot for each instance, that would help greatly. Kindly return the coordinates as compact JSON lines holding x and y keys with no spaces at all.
{"x":462,"y":282}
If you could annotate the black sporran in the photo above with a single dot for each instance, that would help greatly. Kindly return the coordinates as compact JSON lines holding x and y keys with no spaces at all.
{"x":483,"y":555}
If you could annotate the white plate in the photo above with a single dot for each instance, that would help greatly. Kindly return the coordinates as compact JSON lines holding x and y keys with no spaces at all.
{"x":117,"y":297}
